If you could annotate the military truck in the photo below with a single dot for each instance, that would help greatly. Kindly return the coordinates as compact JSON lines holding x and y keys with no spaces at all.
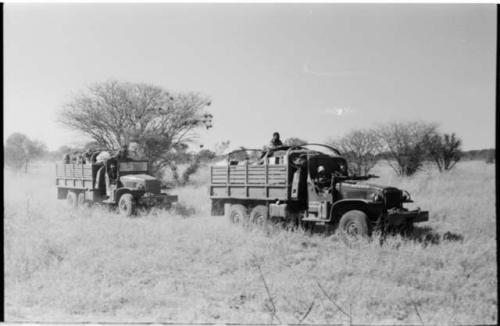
{"x":283,"y":185}
{"x":127,"y":185}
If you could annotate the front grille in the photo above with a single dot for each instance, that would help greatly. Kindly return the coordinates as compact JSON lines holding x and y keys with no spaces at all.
{"x":392,"y":198}
{"x":152,"y":186}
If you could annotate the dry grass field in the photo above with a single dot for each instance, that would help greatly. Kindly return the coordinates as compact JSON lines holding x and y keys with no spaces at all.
{"x":185,"y":266}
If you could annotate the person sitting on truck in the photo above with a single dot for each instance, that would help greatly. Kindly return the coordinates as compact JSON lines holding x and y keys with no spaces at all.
{"x":122,"y":154}
{"x":102,"y":156}
{"x":87,"y":156}
{"x":134,"y":151}
{"x":99,"y":158}
{"x":66,"y":158}
{"x":275,"y":141}
{"x":93,"y":157}
{"x":74,"y":157}
{"x":112,"y":170}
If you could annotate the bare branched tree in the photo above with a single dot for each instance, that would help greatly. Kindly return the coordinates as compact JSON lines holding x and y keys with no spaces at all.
{"x":405,"y":143}
{"x":115,"y":113}
{"x":20,"y":151}
{"x":360,"y":148}
{"x":444,"y":150}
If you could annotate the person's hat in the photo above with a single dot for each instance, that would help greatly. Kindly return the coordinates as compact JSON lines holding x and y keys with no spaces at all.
{"x":321,"y":168}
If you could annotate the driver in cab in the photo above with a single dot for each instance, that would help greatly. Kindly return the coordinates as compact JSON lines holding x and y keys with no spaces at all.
{"x":323,"y":180}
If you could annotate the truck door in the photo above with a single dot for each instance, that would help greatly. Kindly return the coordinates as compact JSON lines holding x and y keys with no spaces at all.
{"x":299,"y":179}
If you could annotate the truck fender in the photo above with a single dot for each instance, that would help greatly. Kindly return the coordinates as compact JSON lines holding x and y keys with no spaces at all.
{"x":120,"y":192}
{"x":344,"y":205}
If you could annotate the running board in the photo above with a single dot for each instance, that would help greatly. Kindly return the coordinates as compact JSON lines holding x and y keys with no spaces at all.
{"x":314,"y":219}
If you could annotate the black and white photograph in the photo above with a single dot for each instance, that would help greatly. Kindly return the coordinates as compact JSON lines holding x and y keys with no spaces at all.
{"x":250,"y":163}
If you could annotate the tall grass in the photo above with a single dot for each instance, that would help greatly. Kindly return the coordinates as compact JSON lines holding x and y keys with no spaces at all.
{"x":94,"y":265}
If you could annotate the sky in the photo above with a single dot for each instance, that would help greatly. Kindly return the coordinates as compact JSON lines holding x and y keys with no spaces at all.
{"x":313,"y":71}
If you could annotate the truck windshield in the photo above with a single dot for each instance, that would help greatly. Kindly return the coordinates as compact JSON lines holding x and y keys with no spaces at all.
{"x":321,"y":149}
{"x":332,"y":165}
{"x":133,"y":166}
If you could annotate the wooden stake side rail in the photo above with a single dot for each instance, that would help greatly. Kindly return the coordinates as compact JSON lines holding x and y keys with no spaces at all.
{"x":77,"y":176}
{"x":267,"y":182}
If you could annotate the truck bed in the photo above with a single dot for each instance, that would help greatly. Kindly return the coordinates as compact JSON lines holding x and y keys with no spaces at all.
{"x":79,"y":176}
{"x":261,"y":182}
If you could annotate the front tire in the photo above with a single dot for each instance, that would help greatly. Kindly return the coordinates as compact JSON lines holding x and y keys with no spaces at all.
{"x":126,"y":205}
{"x":238,"y":214}
{"x":353,"y":224}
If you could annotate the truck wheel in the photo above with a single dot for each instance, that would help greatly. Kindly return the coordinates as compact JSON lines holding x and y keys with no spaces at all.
{"x":72,"y":199}
{"x":258,"y":215}
{"x":126,"y":205}
{"x":353,"y":224}
{"x":81,"y":200}
{"x":238,"y":214}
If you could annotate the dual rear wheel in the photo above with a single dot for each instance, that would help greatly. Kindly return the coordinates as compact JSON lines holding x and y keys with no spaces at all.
{"x":126,"y":203}
{"x":238,"y":214}
{"x":76,"y":199}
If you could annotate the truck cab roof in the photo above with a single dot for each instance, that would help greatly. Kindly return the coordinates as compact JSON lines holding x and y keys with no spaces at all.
{"x":253,"y":155}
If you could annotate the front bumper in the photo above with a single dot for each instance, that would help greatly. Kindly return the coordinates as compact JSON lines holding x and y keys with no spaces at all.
{"x":163,"y":200}
{"x":399,"y":216}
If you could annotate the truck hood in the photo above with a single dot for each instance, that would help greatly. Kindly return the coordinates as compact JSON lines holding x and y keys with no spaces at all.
{"x":136,"y":178}
{"x":141,"y":182}
{"x":363,"y":190}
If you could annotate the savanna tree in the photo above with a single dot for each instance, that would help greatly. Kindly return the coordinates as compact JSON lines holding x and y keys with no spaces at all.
{"x":20,"y":151}
{"x":405,"y":143}
{"x":360,"y":148}
{"x":221,"y":147}
{"x":160,"y":122}
{"x":444,"y":150}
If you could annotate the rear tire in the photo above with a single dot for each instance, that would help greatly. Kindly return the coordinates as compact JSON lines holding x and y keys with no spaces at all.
{"x":72,"y":199}
{"x":258,"y":215}
{"x":238,"y":214}
{"x":81,"y":200}
{"x":126,"y":205}
{"x":353,"y":225}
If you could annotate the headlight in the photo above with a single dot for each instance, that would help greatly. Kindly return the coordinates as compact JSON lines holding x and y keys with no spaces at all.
{"x":378,"y":197}
{"x":406,"y":196}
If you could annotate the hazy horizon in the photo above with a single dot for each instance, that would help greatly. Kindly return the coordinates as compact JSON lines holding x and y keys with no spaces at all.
{"x":313,"y":71}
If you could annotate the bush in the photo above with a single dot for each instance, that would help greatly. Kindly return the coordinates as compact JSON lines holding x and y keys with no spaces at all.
{"x":490,"y":158}
{"x":360,"y":148}
{"x":444,"y":150}
{"x":405,"y":143}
